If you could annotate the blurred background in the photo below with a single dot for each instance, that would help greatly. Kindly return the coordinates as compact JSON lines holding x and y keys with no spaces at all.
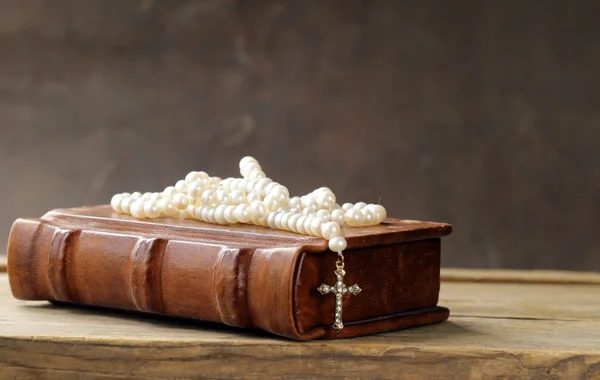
{"x":482,"y":114}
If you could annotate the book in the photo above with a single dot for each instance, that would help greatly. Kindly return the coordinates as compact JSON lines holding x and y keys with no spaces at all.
{"x":239,"y":275}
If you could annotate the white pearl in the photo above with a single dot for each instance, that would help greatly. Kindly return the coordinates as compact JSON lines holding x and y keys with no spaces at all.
{"x":353,"y":217}
{"x":151,"y":209}
{"x":226,"y":183}
{"x":181,"y":187}
{"x":221,"y":197}
{"x":220,"y":214}
{"x":136,"y":195}
{"x":191,"y":177}
{"x":338,"y":216}
{"x":324,"y":214}
{"x":294,"y":202}
{"x":326,"y":200}
{"x":337,"y":244}
{"x":277,"y":220}
{"x":271,"y":219}
{"x":257,"y":174}
{"x":180,"y":201}
{"x":360,"y":205}
{"x":368,"y":217}
{"x":347,"y":206}
{"x":251,"y":197}
{"x":292,"y":222}
{"x":208,"y":197}
{"x":300,"y":225}
{"x":146,"y":196}
{"x":271,"y":202}
{"x":198,"y":212}
{"x":315,"y":226}
{"x":169,"y":192}
{"x":250,"y":168}
{"x":125,"y":205}
{"x":242,"y":213}
{"x":250,"y":186}
{"x":246,"y":160}
{"x":307,"y":225}
{"x":330,"y":230}
{"x":379,"y":213}
{"x":311,"y":210}
{"x":237,"y":197}
{"x":189,"y":212}
{"x":285,"y":225}
{"x":257,"y":210}
{"x":230,"y":214}
{"x":270,"y":186}
{"x":167,"y":208}
{"x":155,"y":197}
{"x":281,"y":193}
{"x":210,"y":215}
{"x":296,"y":210}
{"x":136,"y":208}
{"x":204,"y":176}
{"x":308,"y":200}
{"x":195,"y":190}
{"x":261,"y":185}
{"x":115,"y":202}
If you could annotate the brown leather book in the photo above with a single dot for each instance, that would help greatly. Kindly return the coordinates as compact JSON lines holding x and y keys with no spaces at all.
{"x":242,"y":275}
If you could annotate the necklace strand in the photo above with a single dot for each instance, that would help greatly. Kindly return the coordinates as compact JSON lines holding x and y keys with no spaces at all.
{"x":252,"y":199}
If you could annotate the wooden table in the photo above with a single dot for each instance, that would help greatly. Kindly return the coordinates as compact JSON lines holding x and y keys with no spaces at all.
{"x":508,"y":324}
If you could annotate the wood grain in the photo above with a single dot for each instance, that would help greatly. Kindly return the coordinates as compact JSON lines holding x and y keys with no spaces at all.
{"x":510,"y":330}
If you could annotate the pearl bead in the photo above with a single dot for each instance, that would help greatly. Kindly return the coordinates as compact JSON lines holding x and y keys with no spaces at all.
{"x":367,"y":216}
{"x":195,"y":190}
{"x":308,"y":200}
{"x":271,"y":202}
{"x":249,"y":168}
{"x":360,"y":205}
{"x":346,"y":206}
{"x":294,"y":202}
{"x":210,"y":215}
{"x":136,"y":195}
{"x":251,"y":197}
{"x":337,"y":244}
{"x":151,"y":209}
{"x":271,"y":219}
{"x":125,"y":205}
{"x":180,"y":201}
{"x":167,"y":208}
{"x":246,"y":160}
{"x":330,"y":230}
{"x":257,"y":210}
{"x":353,"y":217}
{"x":170,"y":192}
{"x":379,"y":213}
{"x":204,"y":214}
{"x":257,"y":174}
{"x":270,"y":186}
{"x":307,"y":225}
{"x":115,"y":202}
{"x":136,"y":208}
{"x":250,"y":186}
{"x":181,"y":187}
{"x":338,"y":216}
{"x":191,"y":177}
{"x":326,"y":200}
{"x":292,"y":222}
{"x":242,"y":213}
{"x":237,"y":197}
{"x":300,"y":225}
{"x":221,"y":197}
{"x":281,"y":193}
{"x":285,"y":220}
{"x":220,"y":214}
{"x":146,"y":196}
{"x":155,"y":197}
{"x":188,"y":212}
{"x":261,"y":185}
{"x":324,"y":214}
{"x":315,"y":226}
{"x":230,"y":214}
{"x":277,"y":220}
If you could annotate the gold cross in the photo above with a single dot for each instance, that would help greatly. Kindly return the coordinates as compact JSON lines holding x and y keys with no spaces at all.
{"x":339,"y":289}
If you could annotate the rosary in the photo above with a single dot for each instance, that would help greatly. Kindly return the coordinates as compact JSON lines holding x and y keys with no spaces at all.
{"x":256,"y":199}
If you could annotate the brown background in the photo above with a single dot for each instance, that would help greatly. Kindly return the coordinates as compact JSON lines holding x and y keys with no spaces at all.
{"x":482,"y":114}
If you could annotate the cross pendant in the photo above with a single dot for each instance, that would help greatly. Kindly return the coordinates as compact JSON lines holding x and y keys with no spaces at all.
{"x":339,"y":289}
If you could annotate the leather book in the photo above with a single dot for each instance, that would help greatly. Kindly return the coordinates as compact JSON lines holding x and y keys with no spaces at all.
{"x":242,"y":275}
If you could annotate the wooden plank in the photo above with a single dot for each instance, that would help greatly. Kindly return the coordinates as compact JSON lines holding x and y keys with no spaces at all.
{"x":528,"y":337}
{"x":519,"y":276}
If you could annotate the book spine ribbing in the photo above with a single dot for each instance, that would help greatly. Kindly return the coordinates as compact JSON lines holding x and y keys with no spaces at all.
{"x":237,"y":286}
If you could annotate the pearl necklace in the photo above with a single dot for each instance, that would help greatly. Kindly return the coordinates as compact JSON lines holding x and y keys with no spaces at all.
{"x":256,"y":199}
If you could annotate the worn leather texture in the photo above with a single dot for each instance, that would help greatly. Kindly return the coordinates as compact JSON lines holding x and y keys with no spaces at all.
{"x":244,"y":276}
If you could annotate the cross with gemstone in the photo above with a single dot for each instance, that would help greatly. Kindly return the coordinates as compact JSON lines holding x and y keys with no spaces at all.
{"x":339,"y":289}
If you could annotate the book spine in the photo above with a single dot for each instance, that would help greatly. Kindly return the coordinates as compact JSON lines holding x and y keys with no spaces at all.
{"x":237,"y":286}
